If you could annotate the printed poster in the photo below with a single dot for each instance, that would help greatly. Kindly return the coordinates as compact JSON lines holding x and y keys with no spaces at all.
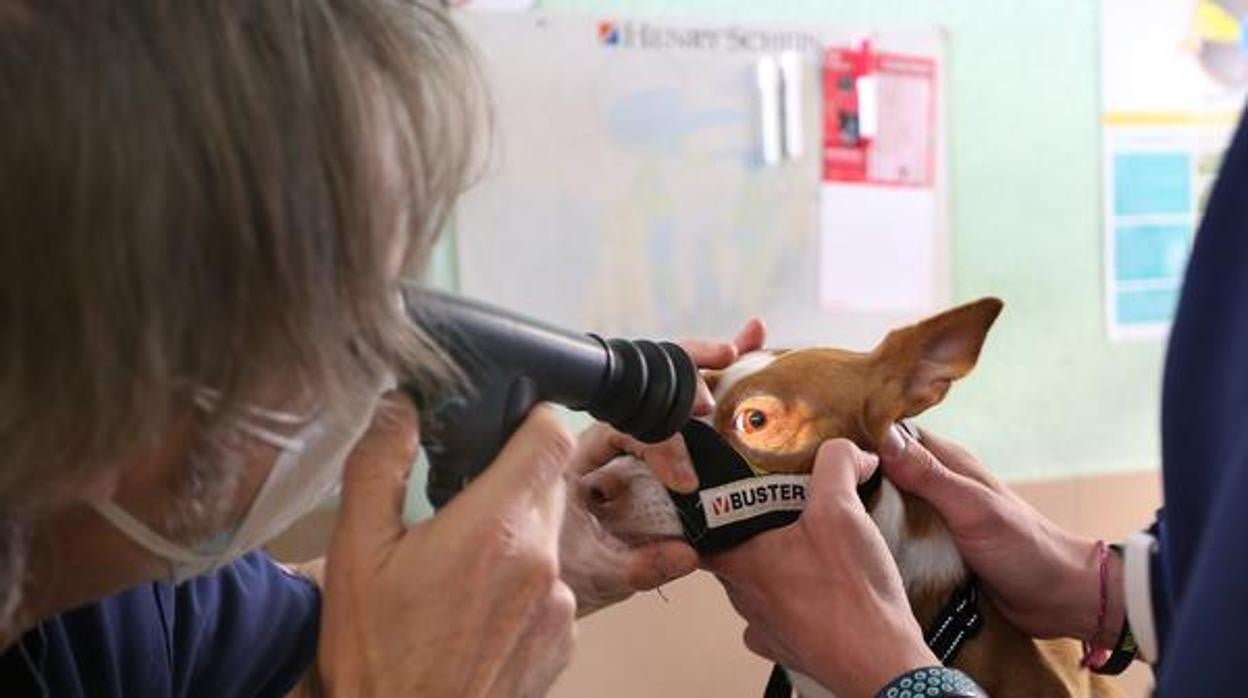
{"x":877,"y":200}
{"x":1174,"y":74}
{"x":879,"y":117}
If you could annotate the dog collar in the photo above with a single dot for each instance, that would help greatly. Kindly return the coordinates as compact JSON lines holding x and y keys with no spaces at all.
{"x":958,"y":622}
{"x":735,"y":502}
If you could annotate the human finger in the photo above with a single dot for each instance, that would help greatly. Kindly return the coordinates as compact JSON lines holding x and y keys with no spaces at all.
{"x":752,"y":336}
{"x":703,"y":399}
{"x":707,"y":353}
{"x":712,"y":355}
{"x":913,"y":468}
{"x":839,"y":467}
{"x":544,"y":649}
{"x":760,"y":642}
{"x":530,"y":467}
{"x":374,"y":477}
{"x":743,"y":559}
{"x":668,"y":459}
{"x":957,"y":458}
{"x":655,"y":564}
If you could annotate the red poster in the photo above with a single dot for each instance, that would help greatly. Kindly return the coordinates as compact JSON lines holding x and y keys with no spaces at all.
{"x":879,"y":117}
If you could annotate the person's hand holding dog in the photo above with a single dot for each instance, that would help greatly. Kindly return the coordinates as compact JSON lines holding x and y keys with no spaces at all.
{"x":468,"y":603}
{"x":823,"y":595}
{"x":601,"y":564}
{"x":1042,"y":577}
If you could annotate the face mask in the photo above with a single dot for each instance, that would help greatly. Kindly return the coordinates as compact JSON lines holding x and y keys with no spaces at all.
{"x":307,"y":468}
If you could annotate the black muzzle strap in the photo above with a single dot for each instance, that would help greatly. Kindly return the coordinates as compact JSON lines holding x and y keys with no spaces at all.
{"x":734,"y":503}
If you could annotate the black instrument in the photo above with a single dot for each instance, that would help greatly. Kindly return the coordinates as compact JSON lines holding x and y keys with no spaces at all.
{"x":640,"y":387}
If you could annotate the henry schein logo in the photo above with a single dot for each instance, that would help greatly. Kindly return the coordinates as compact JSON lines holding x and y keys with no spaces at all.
{"x":630,"y":34}
{"x":608,"y":33}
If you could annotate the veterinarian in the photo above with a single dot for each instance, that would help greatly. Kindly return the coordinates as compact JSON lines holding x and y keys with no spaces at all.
{"x":838,"y":612}
{"x":207,"y":209}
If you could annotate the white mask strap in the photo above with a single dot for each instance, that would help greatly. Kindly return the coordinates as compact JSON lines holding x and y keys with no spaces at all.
{"x":207,"y":399}
{"x":272,"y":438}
{"x":142,"y":534}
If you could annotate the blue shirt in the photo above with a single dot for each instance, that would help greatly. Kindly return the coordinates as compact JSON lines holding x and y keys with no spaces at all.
{"x":248,"y":629}
{"x":1203,"y":571}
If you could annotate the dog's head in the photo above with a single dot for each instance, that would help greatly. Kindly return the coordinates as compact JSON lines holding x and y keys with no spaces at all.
{"x":776,"y":407}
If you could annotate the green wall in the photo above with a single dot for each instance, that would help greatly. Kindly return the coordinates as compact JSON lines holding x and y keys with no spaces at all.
{"x":1051,"y":397}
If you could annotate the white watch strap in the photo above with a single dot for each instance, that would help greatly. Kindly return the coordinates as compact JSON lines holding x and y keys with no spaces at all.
{"x":1137,"y":555}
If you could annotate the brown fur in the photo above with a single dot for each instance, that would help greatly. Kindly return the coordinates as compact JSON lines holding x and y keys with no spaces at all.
{"x":830,"y":393}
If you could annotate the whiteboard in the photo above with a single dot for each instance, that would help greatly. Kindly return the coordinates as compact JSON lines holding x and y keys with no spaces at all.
{"x":627,"y":193}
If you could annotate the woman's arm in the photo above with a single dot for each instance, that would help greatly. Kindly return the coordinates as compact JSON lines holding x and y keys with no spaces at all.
{"x":1045,"y":579}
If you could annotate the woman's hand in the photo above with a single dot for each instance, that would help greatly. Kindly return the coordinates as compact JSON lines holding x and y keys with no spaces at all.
{"x":1043,"y":578}
{"x":468,"y":603}
{"x":599,"y":561}
{"x":823,"y":595}
{"x":620,"y":534}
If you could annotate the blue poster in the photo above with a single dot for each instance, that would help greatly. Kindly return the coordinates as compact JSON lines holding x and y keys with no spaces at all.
{"x":1152,"y":215}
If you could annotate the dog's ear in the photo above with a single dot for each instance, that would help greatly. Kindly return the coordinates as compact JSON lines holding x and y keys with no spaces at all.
{"x":915,"y":365}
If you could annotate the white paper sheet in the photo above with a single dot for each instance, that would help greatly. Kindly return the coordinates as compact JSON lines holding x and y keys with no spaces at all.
{"x":877,"y":248}
{"x":1174,"y":76}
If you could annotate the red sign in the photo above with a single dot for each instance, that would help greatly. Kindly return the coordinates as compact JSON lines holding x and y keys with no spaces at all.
{"x":879,"y":117}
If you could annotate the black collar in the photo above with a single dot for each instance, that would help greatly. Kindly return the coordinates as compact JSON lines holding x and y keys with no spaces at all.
{"x":959,"y":621}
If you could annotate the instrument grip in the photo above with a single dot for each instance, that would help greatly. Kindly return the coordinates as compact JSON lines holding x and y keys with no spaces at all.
{"x":462,"y":436}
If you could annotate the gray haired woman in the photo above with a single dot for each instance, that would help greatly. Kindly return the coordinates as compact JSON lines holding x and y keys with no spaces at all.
{"x":206,"y":208}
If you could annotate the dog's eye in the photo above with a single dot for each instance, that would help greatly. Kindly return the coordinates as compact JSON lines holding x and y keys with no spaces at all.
{"x":766,"y":425}
{"x":751,"y":420}
{"x":756,"y":419}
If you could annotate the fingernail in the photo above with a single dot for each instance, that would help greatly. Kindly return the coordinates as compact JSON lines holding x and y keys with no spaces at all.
{"x":910,"y":430}
{"x":894,"y":442}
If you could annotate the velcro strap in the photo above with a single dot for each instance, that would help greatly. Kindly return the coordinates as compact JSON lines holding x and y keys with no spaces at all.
{"x":733,"y":503}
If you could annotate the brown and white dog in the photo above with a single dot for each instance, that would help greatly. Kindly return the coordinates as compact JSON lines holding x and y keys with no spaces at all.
{"x":777,"y":407}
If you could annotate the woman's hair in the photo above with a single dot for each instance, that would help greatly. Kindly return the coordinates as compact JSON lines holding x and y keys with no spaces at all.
{"x":208,"y":193}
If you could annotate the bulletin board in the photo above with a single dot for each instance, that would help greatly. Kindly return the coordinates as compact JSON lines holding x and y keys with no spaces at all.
{"x":1052,"y":396}
{"x":636,"y":189}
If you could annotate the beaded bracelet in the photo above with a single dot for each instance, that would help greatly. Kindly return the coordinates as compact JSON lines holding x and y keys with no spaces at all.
{"x":932,"y":682}
{"x":1093,"y":656}
{"x":1125,"y":648}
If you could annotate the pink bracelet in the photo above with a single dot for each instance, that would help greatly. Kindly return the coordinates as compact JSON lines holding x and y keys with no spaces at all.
{"x":1095,"y":657}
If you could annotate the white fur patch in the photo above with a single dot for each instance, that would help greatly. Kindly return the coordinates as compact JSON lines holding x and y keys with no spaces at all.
{"x":751,"y":363}
{"x":925,"y":562}
{"x":889,"y":515}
